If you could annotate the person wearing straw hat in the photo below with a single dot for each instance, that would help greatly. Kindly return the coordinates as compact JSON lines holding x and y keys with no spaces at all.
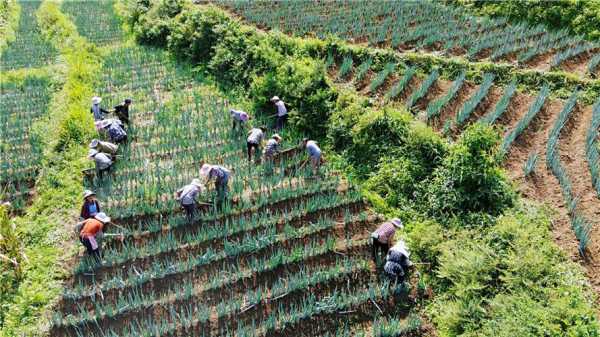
{"x":116,"y":132}
{"x":314,"y":154}
{"x":122,"y":110}
{"x":239,"y":118}
{"x":90,"y":233}
{"x":105,"y":147}
{"x":254,"y":140}
{"x":221,"y":176}
{"x":96,"y":110}
{"x":102,"y":160}
{"x":382,"y":236}
{"x":271,"y":149}
{"x":90,"y":206}
{"x":187,"y":196}
{"x":282,"y":112}
{"x":397,"y":262}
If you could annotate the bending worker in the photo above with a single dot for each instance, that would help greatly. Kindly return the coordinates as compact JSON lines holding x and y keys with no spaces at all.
{"x":221,"y":176}
{"x":122,"y":110}
{"x":116,"y":132}
{"x":382,"y":237}
{"x":282,"y":113}
{"x":314,"y":153}
{"x":397,"y":262}
{"x":187,"y":196}
{"x":271,"y":149}
{"x":96,"y":110}
{"x":91,"y":233}
{"x":90,"y":206}
{"x":239,"y":118}
{"x":105,"y":147}
{"x":102,"y":160}
{"x":254,"y":140}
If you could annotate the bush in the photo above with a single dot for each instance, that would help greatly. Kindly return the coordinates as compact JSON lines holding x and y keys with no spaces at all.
{"x":154,"y":25}
{"x":470,"y":179}
{"x":346,"y":113}
{"x":425,"y":239}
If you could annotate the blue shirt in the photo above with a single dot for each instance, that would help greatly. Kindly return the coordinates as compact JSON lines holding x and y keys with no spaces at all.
{"x":313,"y":149}
{"x":92,"y":209}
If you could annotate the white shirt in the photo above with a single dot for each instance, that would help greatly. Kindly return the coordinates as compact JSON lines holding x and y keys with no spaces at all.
{"x":256,"y":136}
{"x":281,"y":109}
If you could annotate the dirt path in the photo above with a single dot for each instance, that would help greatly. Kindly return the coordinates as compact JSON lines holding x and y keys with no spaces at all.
{"x":572,"y":154}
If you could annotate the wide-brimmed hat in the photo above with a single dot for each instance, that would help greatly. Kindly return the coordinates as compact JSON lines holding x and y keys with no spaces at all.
{"x":102,"y":217}
{"x":197,"y":182}
{"x":92,"y":152}
{"x":397,"y":223}
{"x":275,"y":99}
{"x":88,"y":193}
{"x":205,"y":170}
{"x":94,"y":143}
{"x":96,"y":100}
{"x":277,"y":136}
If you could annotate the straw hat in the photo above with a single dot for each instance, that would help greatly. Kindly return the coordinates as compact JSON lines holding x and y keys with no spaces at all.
{"x":205,"y":170}
{"x":88,"y":193}
{"x":102,"y":217}
{"x":94,"y":143}
{"x":96,"y":100}
{"x":275,"y":99}
{"x":277,"y":136}
{"x":197,"y":182}
{"x":397,"y":223}
{"x":92,"y":153}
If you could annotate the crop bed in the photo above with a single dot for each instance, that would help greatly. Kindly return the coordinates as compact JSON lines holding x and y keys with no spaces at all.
{"x":288,"y":254}
{"x":426,"y":26}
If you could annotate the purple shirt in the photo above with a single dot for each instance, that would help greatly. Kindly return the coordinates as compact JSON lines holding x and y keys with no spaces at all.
{"x":385,"y":232}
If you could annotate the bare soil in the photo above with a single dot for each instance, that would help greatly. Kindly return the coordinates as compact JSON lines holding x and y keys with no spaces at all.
{"x":449,"y":112}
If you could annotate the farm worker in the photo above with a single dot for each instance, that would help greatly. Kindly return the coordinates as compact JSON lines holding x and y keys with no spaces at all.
{"x":96,"y":110}
{"x":271,"y":149}
{"x":239,"y":118}
{"x":103,"y":161}
{"x":221,"y":176}
{"x":382,"y":237}
{"x":105,"y":147}
{"x":187,"y":197}
{"x":397,"y":262}
{"x":314,"y":154}
{"x":282,"y":112}
{"x":91,"y":233}
{"x":90,"y":206}
{"x":122,"y":110}
{"x":254,"y":140}
{"x":116,"y":132}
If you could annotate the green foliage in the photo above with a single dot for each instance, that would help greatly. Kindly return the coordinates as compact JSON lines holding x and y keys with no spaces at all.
{"x":470,"y":179}
{"x":425,"y":239}
{"x":11,"y":259}
{"x":346,"y":113}
{"x":153,"y":25}
{"x":578,"y":16}
{"x":9,"y":19}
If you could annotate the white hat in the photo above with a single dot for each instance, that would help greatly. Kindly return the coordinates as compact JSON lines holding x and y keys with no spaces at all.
{"x":96,"y":100}
{"x":94,"y":143}
{"x":92,"y":153}
{"x":102,"y":217}
{"x":205,"y":169}
{"x":197,"y":182}
{"x":397,"y":223}
{"x":88,"y":193}
{"x":275,"y":99}
{"x":277,"y":136}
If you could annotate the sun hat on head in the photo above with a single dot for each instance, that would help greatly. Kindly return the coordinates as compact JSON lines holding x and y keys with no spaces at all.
{"x":96,"y":100}
{"x":205,"y":170}
{"x":88,"y":193}
{"x":196,"y":182}
{"x":94,"y":143}
{"x":102,"y":217}
{"x":397,"y":223}
{"x":92,"y":153}
{"x":277,"y":136}
{"x":275,"y":99}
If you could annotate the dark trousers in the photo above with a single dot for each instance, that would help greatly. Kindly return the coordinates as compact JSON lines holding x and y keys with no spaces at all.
{"x":190,"y":211}
{"x":104,"y":171}
{"x":94,"y":253}
{"x":256,"y":147}
{"x":281,"y":121}
{"x":222,"y":191}
{"x":379,"y":250}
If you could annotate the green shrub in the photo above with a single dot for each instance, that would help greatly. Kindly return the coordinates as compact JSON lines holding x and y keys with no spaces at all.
{"x":346,"y":113}
{"x":470,"y":180}
{"x":395,"y":181}
{"x":424,"y":239}
{"x":154,"y":25}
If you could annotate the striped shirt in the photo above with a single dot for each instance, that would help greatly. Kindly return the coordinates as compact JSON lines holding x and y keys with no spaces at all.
{"x":385,"y":232}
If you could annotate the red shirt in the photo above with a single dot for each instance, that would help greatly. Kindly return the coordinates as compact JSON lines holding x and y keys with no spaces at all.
{"x":91,"y":227}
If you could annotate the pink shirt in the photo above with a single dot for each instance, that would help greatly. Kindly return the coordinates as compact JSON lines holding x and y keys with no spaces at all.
{"x":385,"y":232}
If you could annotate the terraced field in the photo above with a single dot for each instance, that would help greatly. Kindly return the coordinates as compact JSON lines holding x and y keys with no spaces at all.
{"x":287,"y":256}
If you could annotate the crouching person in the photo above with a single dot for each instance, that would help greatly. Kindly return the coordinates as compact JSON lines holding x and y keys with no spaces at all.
{"x":116,"y":132}
{"x":91,"y":233}
{"x":382,"y":238}
{"x":187,"y":196}
{"x":397,"y":262}
{"x":90,"y":206}
{"x":220,"y":175}
{"x":103,"y":162}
